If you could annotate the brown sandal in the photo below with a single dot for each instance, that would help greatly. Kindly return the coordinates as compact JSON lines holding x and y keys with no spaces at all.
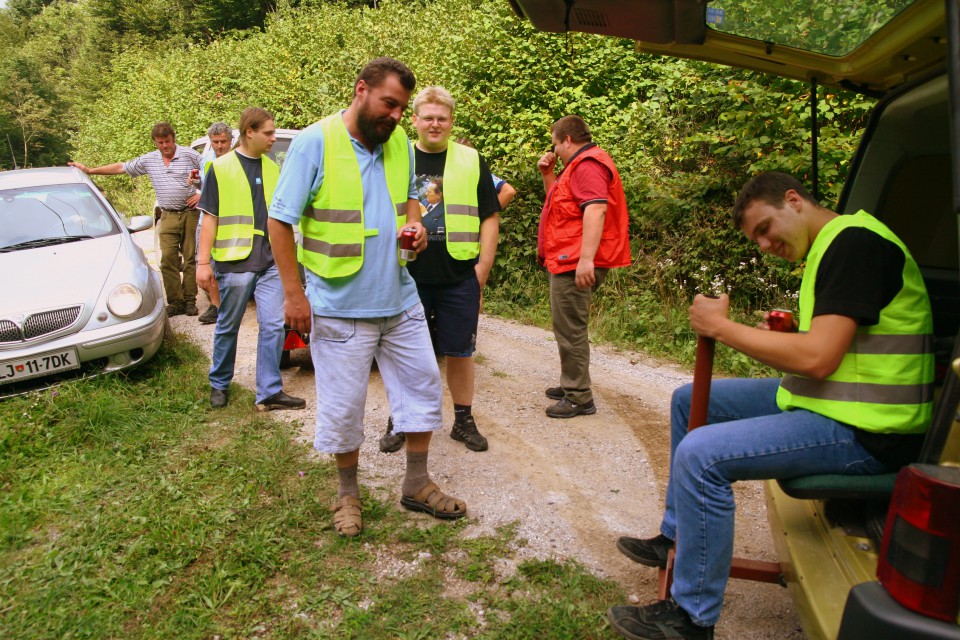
{"x":347,"y":519}
{"x":435,"y":502}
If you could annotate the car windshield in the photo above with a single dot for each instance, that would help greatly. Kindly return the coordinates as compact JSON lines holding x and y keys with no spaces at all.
{"x":56,"y":214}
{"x":832,"y":27}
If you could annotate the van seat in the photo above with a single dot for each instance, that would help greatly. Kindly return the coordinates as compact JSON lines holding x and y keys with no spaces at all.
{"x":821,"y":487}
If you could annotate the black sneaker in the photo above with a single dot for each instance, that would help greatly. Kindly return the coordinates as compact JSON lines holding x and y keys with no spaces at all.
{"x":567,"y":409}
{"x":209,"y":316}
{"x":174,"y":310}
{"x":391,"y":442}
{"x":555,"y":393}
{"x":651,"y":552}
{"x":279,"y":401}
{"x":218,"y":398}
{"x":465,"y":430}
{"x":661,"y":620}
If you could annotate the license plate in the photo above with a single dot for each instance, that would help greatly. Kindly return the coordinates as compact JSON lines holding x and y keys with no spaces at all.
{"x":40,"y":365}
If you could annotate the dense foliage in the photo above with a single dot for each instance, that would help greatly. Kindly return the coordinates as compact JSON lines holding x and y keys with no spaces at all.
{"x":685,"y":135}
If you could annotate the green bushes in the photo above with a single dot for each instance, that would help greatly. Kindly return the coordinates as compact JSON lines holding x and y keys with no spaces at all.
{"x":685,"y":135}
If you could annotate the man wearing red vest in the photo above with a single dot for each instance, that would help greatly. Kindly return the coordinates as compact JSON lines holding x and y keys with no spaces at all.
{"x":583,"y":234}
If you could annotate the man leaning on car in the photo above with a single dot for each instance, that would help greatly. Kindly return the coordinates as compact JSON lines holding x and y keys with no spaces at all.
{"x":169,"y":169}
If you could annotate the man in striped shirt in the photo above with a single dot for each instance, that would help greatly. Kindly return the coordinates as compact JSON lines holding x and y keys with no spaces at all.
{"x":169,"y":169}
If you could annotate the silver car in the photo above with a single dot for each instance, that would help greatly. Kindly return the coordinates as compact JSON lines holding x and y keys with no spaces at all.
{"x":77,"y":294}
{"x":278,"y":153}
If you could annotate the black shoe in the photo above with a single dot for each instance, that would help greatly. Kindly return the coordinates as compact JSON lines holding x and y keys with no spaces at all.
{"x":209,"y":316}
{"x":658,"y":621}
{"x":567,"y":409}
{"x":218,"y":398}
{"x":280,"y":400}
{"x":174,"y":310}
{"x":191,"y":310}
{"x":555,"y":393}
{"x":651,"y":552}
{"x":465,"y":430}
{"x":391,"y":442}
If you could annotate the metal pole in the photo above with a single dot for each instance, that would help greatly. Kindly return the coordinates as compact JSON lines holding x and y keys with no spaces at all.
{"x":953,"y":74}
{"x":946,"y":411}
{"x":814,"y":137}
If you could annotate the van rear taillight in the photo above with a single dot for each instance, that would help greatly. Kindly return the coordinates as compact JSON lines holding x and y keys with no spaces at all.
{"x":919,"y":563}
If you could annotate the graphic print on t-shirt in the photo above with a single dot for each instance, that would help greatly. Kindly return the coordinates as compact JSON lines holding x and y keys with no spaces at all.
{"x":430,"y":194}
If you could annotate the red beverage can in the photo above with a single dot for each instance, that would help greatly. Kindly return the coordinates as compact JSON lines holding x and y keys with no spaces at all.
{"x":780,"y":320}
{"x":194,"y":174}
{"x":407,"y":237}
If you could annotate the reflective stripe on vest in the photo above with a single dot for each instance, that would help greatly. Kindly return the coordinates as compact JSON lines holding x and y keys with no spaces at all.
{"x":332,"y":226}
{"x":885,"y":381}
{"x":235,"y":231}
{"x":461,"y":211}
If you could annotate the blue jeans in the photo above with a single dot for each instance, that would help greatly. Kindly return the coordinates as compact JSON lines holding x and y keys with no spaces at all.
{"x":235,"y":292}
{"x":747,"y":438}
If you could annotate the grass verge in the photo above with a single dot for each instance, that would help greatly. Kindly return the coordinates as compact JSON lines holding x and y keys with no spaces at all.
{"x":129,"y":509}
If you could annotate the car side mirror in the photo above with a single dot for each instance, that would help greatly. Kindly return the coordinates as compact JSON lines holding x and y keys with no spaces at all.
{"x":140,"y":223}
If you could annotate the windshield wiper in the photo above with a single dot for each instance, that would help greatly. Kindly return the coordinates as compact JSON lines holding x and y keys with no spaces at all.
{"x":43,"y":242}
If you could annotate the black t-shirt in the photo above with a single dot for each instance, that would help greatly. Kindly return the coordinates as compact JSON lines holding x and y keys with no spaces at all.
{"x":860,"y":273}
{"x":261,"y":257}
{"x":434,"y":265}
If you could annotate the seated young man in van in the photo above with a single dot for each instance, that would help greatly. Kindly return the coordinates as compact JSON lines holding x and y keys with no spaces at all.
{"x":856,"y":396}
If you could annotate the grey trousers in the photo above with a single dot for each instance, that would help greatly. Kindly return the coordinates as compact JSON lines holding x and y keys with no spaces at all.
{"x":570,"y":311}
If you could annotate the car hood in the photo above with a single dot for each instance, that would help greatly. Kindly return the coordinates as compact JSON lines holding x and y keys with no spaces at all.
{"x":57,"y":276}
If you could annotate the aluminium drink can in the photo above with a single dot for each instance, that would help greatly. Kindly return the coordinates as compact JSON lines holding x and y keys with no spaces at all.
{"x":780,"y":320}
{"x":407,"y":237}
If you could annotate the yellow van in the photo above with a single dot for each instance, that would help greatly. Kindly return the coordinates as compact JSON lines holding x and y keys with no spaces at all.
{"x":878,"y":557}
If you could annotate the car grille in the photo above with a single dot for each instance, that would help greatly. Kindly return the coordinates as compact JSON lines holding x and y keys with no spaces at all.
{"x":9,"y":332}
{"x":39,"y":324}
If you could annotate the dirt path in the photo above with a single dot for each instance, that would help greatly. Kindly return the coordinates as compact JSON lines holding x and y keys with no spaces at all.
{"x":573,"y":485}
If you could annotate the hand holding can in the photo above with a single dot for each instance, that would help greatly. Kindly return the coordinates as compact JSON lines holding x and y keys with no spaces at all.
{"x":780,"y":320}
{"x":407,"y":237}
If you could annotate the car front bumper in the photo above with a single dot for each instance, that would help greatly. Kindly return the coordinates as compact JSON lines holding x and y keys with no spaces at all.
{"x":120,"y":346}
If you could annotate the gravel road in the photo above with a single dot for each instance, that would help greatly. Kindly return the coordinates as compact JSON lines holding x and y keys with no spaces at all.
{"x":574,"y":485}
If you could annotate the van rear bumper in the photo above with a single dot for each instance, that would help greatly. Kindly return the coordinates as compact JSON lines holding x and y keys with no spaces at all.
{"x":871,"y":614}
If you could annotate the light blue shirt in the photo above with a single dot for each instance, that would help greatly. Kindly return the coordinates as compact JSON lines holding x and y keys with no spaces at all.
{"x":208,"y":156}
{"x":382,"y":288}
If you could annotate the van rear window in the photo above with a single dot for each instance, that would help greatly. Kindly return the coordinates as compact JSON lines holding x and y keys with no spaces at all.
{"x":831,"y":27}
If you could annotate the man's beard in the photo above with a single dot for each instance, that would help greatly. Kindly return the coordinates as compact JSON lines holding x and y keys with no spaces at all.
{"x":375,"y":130}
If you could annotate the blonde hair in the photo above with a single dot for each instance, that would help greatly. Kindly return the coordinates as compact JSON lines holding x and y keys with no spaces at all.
{"x":434,"y":95}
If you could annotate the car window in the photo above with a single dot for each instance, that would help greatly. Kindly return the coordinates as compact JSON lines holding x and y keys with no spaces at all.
{"x":278,"y":153}
{"x":55,"y":214}
{"x":832,"y":27}
{"x":279,"y":150}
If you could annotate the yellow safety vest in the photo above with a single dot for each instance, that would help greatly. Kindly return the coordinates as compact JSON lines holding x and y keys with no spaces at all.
{"x":235,"y":228}
{"x":461,"y":175}
{"x":885,"y":381}
{"x":332,"y":226}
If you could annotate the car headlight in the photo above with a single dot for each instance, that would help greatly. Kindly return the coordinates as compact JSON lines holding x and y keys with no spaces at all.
{"x":124,"y":300}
